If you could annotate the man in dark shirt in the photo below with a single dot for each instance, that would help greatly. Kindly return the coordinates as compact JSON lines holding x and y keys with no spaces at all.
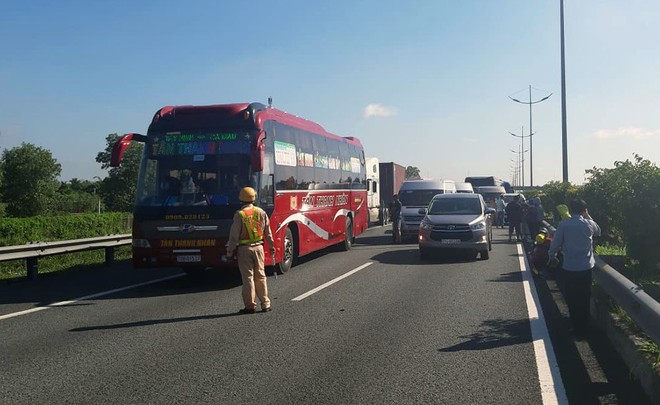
{"x":395,"y":215}
{"x":514,"y":213}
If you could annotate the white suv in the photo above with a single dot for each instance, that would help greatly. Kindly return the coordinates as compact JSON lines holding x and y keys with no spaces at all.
{"x":457,"y":222}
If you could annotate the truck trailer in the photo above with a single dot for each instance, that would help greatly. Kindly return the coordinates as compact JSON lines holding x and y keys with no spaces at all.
{"x":392,"y":176}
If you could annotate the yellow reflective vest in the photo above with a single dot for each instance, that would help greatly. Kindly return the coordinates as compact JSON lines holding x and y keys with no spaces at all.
{"x":251,"y":218}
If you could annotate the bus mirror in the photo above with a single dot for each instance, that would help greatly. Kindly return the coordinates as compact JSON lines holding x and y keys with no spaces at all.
{"x":257,"y":158}
{"x":121,"y":145}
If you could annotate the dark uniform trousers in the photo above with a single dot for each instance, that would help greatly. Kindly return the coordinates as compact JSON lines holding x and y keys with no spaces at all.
{"x":577,"y":285}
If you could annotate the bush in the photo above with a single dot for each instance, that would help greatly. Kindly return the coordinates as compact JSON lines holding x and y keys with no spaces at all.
{"x":555,"y":193}
{"x":630,"y":194}
{"x":18,"y":231}
{"x":625,"y":201}
{"x":76,"y":203}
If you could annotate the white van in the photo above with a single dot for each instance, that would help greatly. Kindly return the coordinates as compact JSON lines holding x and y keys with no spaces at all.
{"x":490,"y":193}
{"x":416,"y":194}
{"x":463,"y":187}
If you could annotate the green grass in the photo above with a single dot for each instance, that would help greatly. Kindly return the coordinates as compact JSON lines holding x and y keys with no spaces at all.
{"x":647,"y":345}
{"x":16,"y":268}
{"x":653,"y":350}
{"x":607,"y":249}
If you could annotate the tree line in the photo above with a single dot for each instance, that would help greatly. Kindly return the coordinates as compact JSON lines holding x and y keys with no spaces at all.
{"x":29,"y":184}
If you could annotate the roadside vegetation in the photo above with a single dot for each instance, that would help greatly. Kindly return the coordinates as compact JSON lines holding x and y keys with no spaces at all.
{"x":36,"y":207}
{"x":625,"y":202}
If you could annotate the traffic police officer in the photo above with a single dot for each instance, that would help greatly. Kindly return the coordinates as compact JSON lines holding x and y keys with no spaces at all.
{"x":249,"y":229}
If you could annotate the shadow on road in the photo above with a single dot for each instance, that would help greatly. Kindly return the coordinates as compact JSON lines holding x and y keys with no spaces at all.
{"x":495,"y":333}
{"x":153,"y":322}
{"x":409,"y":255}
{"x":512,"y":277}
{"x":67,"y":285}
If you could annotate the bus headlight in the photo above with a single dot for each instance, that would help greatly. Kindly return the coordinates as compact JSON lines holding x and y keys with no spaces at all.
{"x":141,"y":243}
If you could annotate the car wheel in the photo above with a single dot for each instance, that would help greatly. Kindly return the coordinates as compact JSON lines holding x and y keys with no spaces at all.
{"x":424,"y":253}
{"x":484,"y":255}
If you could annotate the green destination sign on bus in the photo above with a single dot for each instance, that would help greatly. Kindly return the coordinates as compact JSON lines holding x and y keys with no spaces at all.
{"x":198,"y":144}
{"x":176,"y":138}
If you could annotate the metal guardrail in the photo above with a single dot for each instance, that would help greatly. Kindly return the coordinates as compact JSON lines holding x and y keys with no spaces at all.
{"x":641,"y":307}
{"x":31,"y":252}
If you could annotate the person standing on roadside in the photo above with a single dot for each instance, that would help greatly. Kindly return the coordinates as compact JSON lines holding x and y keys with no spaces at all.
{"x":499,"y":206}
{"x":574,"y":237}
{"x":514,"y":213}
{"x":536,"y":216}
{"x":395,"y":214}
{"x":249,"y":229}
{"x":530,"y":218}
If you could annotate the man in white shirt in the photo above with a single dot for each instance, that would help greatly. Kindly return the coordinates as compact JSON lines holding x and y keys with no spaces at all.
{"x":574,"y":237}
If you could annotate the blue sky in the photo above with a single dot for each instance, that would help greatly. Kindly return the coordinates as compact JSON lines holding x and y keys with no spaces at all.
{"x":421,"y":83}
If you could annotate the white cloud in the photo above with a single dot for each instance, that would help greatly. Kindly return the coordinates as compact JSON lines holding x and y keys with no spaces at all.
{"x":628,"y":133}
{"x":378,"y":110}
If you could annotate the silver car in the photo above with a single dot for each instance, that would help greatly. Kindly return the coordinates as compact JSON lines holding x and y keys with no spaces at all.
{"x":456,"y":221}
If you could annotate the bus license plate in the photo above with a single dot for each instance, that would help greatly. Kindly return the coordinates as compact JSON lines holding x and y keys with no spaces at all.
{"x":189,"y":258}
{"x":450,"y":241}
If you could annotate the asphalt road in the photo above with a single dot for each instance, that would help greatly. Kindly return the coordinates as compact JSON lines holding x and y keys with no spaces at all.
{"x":398,"y":330}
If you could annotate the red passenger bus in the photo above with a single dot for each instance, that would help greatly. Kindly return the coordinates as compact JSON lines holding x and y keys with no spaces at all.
{"x":311,"y":183}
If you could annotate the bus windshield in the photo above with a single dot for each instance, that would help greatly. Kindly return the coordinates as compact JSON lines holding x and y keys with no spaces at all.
{"x":193,"y":180}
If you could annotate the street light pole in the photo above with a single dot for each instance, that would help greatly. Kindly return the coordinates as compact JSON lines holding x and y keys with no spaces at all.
{"x":522,"y":137}
{"x":531,"y":102}
{"x":521,"y":162}
{"x":514,"y":172}
{"x":564,"y":136}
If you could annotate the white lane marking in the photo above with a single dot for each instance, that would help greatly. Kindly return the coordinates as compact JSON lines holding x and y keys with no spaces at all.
{"x":331,"y":282}
{"x":87,"y":297}
{"x":552,"y":386}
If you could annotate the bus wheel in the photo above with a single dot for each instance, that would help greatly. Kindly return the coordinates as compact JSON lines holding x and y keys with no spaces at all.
{"x":287,"y":257}
{"x":348,"y":242}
